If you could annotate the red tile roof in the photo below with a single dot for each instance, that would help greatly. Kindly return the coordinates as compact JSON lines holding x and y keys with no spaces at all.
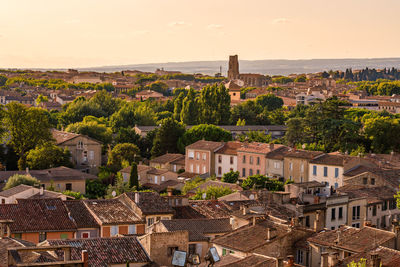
{"x":81,"y":215}
{"x":151,"y":203}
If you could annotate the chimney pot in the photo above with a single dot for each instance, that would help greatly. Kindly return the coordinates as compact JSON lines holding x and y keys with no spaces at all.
{"x":290,"y":261}
{"x":85,"y":258}
{"x":375,"y":259}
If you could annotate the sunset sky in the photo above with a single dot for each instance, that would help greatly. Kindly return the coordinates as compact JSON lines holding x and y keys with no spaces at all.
{"x":87,"y":33}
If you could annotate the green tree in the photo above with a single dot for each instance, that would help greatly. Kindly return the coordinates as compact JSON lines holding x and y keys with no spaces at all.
{"x":80,"y":108}
{"x":3,"y":80}
{"x":230,"y":177}
{"x":75,"y":195}
{"x":106,"y":101}
{"x":167,"y":137}
{"x":212,"y":192}
{"x":206,"y":132}
{"x":301,"y":78}
{"x":133,"y":178}
{"x":123,"y":155}
{"x":27,"y":128}
{"x":95,"y":188}
{"x":214,"y":105}
{"x":189,"y":112}
{"x":255,"y":136}
{"x":119,"y":187}
{"x":178,"y":106}
{"x":190,"y":185}
{"x":40,"y":99}
{"x":47,"y":156}
{"x":92,"y":129}
{"x":270,"y":102}
{"x":254,"y":182}
{"x":18,"y":179}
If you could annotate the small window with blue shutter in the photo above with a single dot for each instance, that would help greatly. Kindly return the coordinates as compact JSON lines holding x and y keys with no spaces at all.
{"x":325,"y":171}
{"x":314,"y":171}
{"x":336,"y":172}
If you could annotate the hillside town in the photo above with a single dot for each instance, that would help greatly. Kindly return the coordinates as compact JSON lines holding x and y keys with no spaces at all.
{"x":144,"y":169}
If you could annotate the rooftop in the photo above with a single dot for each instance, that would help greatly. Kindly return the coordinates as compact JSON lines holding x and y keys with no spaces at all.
{"x":150,"y":203}
{"x":167,"y":158}
{"x":81,"y":215}
{"x":205,"y":145}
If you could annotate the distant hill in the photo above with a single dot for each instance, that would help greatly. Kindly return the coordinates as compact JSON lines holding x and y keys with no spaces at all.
{"x":270,"y":67}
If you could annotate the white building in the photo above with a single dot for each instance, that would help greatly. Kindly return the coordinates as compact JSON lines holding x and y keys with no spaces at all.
{"x":226,"y":158}
{"x":336,"y":212}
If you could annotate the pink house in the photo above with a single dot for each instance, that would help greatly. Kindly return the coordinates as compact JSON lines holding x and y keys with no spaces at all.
{"x":200,"y":157}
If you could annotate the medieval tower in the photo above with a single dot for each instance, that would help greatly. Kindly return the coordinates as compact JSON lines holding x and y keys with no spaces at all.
{"x":233,"y":71}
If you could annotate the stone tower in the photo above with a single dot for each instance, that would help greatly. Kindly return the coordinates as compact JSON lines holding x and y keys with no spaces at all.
{"x":233,"y":71}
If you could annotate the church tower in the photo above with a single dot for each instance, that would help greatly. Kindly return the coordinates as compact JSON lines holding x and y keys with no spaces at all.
{"x":233,"y":71}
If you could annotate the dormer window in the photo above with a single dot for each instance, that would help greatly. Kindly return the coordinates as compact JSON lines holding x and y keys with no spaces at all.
{"x":80,"y":144}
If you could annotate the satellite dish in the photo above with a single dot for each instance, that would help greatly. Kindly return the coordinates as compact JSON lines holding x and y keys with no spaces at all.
{"x":114,"y":193}
{"x":212,"y":255}
{"x":179,"y":258}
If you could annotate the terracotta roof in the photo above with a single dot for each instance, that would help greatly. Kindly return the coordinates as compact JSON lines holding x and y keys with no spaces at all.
{"x":391,"y":176}
{"x":389,"y":257}
{"x":248,"y":238}
{"x":62,"y":136}
{"x":34,"y":215}
{"x":188,"y":175}
{"x":104,"y":252}
{"x":373,"y":194}
{"x":306,"y":154}
{"x":232,"y":86}
{"x":199,"y":227}
{"x":167,"y":158}
{"x":329,"y":159}
{"x":240,"y":195}
{"x":81,"y":215}
{"x":252,"y":260}
{"x":151,"y":203}
{"x":55,"y":174}
{"x":205,"y":145}
{"x":112,"y":211}
{"x":15,"y":190}
{"x":353,"y":239}
{"x":278,"y":153}
{"x":259,"y":148}
{"x":229,"y":148}
{"x":163,"y":186}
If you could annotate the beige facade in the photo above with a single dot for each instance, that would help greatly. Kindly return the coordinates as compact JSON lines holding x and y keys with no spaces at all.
{"x":62,"y":185}
{"x":296,"y":169}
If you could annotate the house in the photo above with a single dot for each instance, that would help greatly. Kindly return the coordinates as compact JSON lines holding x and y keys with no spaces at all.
{"x":85,"y":151}
{"x":115,"y":217}
{"x":149,"y":206}
{"x":87,"y":226}
{"x":234,"y":90}
{"x":329,"y":169}
{"x":106,"y":252}
{"x":60,"y":178}
{"x":337,"y":245}
{"x":22,"y":191}
{"x":275,"y":162}
{"x":158,"y":176}
{"x":296,"y":164}
{"x":142,"y":173}
{"x":381,"y":255}
{"x":36,"y":220}
{"x":252,"y":158}
{"x":161,"y":246}
{"x":226,"y":158}
{"x":64,"y":99}
{"x":380,"y":204}
{"x":201,"y":231}
{"x":200,"y":157}
{"x":169,"y":161}
{"x":148,"y":94}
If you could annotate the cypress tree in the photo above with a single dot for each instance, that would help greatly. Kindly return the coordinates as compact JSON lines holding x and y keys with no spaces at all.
{"x":133,"y":178}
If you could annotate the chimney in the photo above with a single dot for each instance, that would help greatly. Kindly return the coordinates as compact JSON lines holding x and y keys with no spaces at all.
{"x":136,"y":197}
{"x":85,"y":258}
{"x":290,"y":261}
{"x":324,"y":259}
{"x":316,"y":221}
{"x":169,"y":191}
{"x":375,"y":259}
{"x":279,"y":262}
{"x":244,"y":209}
{"x":27,"y":170}
{"x":41,"y":191}
{"x":271,"y":146}
{"x":397,"y":233}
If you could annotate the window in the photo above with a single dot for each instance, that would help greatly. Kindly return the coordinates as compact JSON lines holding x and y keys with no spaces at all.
{"x":42,"y":236}
{"x":336,"y":185}
{"x":80,"y":144}
{"x":374,"y":210}
{"x":204,"y":156}
{"x":219,"y":159}
{"x":231,"y":160}
{"x":132,"y":229}
{"x":198,"y":168}
{"x":191,"y":154}
{"x":302,"y":167}
{"x":251,"y":159}
{"x":191,"y":168}
{"x":219,"y":170}
{"x":290,"y":166}
{"x":68,"y":187}
{"x":258,"y":171}
{"x":204,"y":169}
{"x":63,"y":236}
{"x":299,"y":256}
{"x":384,"y":205}
{"x":307,"y":221}
{"x":250,"y":172}
{"x":156,"y":179}
{"x":91,"y":154}
{"x":365,"y":180}
{"x":333,"y":228}
{"x":86,"y":235}
{"x":19,"y":236}
{"x":223,"y":252}
{"x":340,"y":216}
{"x":276,"y":165}
{"x":114,"y":230}
{"x":314,"y":170}
{"x":356,"y":213}
{"x":171,"y":250}
{"x":258,"y":160}
{"x":162,"y":178}
{"x":356,"y":225}
{"x":336,"y":172}
{"x":333,"y":214}
{"x":244,"y":159}
{"x":325,"y":171}
{"x":3,"y":201}
{"x":192,"y":249}
{"x":244,"y":172}
{"x":197,"y":155}
{"x":392,"y":204}
{"x":372,"y":181}
{"x":150,"y":221}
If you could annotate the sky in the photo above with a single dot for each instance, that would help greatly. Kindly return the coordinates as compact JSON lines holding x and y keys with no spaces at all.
{"x":89,"y":33}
